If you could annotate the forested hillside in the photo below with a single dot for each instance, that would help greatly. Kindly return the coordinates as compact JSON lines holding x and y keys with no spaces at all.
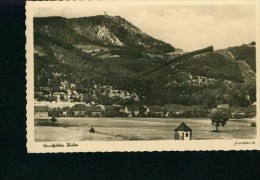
{"x":103,"y":60}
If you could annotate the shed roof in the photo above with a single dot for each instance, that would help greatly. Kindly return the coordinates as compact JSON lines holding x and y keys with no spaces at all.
{"x":41,"y":108}
{"x":183,"y":127}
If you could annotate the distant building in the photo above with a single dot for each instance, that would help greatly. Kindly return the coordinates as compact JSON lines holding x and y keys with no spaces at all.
{"x":183,"y":132}
{"x":112,"y":108}
{"x":65,"y":111}
{"x":95,"y":111}
{"x":84,"y":110}
{"x":131,"y":110}
{"x":179,"y":109}
{"x":224,"y":106}
{"x":78,"y":110}
{"x":155,"y":111}
{"x":41,"y":111}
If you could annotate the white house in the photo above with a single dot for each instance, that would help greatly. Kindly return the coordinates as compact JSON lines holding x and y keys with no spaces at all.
{"x":183,"y":132}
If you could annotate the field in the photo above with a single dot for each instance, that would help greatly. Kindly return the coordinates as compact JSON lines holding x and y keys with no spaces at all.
{"x":118,"y":129}
{"x":89,"y":48}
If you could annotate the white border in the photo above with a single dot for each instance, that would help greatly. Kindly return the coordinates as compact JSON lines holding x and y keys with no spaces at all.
{"x":120,"y":146}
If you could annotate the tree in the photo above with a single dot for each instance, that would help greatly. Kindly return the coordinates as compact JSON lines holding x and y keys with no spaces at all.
{"x":53,"y":120}
{"x":219,"y":117}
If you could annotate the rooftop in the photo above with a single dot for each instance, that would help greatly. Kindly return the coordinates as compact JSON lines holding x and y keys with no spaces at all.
{"x":79,"y":107}
{"x":83,"y":107}
{"x":132,"y":108}
{"x":183,"y":127}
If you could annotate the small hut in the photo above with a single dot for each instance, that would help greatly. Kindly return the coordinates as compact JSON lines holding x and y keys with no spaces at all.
{"x":183,"y":132}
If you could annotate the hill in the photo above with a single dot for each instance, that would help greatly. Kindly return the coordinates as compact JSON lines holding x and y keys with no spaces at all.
{"x":103,"y":60}
{"x":208,"y":79}
{"x":102,"y":32}
{"x":245,"y":53}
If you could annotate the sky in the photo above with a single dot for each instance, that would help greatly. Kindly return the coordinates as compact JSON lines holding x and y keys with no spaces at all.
{"x":188,"y":27}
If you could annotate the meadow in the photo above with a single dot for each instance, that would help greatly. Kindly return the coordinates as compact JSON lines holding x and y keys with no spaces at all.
{"x":120,"y":129}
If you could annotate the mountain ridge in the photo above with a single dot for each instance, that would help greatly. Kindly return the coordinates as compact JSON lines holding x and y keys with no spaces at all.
{"x":102,"y":30}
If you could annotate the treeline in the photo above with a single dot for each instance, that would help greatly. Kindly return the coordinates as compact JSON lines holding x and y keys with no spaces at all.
{"x":212,"y":65}
{"x":178,"y":59}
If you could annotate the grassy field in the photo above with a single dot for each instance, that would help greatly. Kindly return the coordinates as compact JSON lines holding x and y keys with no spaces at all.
{"x":89,"y":48}
{"x":118,"y":129}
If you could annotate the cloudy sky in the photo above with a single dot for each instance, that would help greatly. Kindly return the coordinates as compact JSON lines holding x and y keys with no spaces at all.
{"x":188,"y":27}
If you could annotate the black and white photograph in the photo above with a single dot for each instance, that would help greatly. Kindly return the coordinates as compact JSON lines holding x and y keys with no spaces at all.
{"x":170,"y":75}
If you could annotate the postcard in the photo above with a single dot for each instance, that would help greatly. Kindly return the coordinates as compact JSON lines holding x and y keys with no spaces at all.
{"x":122,"y":76}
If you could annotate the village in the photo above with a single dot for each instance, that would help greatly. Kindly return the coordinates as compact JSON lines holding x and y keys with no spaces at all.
{"x":82,"y":121}
{"x":65,"y":101}
{"x":167,"y":111}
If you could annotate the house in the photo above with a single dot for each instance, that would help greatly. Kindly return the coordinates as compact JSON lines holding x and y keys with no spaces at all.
{"x":83,"y":110}
{"x":78,"y":110}
{"x":65,"y":111}
{"x":112,"y":108}
{"x":114,"y":111}
{"x":173,"y":109}
{"x":155,"y":111}
{"x":131,"y":110}
{"x":226,"y":108}
{"x":95,"y":111}
{"x":180,"y":109}
{"x":183,"y":132}
{"x":41,"y":111}
{"x":242,"y":112}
